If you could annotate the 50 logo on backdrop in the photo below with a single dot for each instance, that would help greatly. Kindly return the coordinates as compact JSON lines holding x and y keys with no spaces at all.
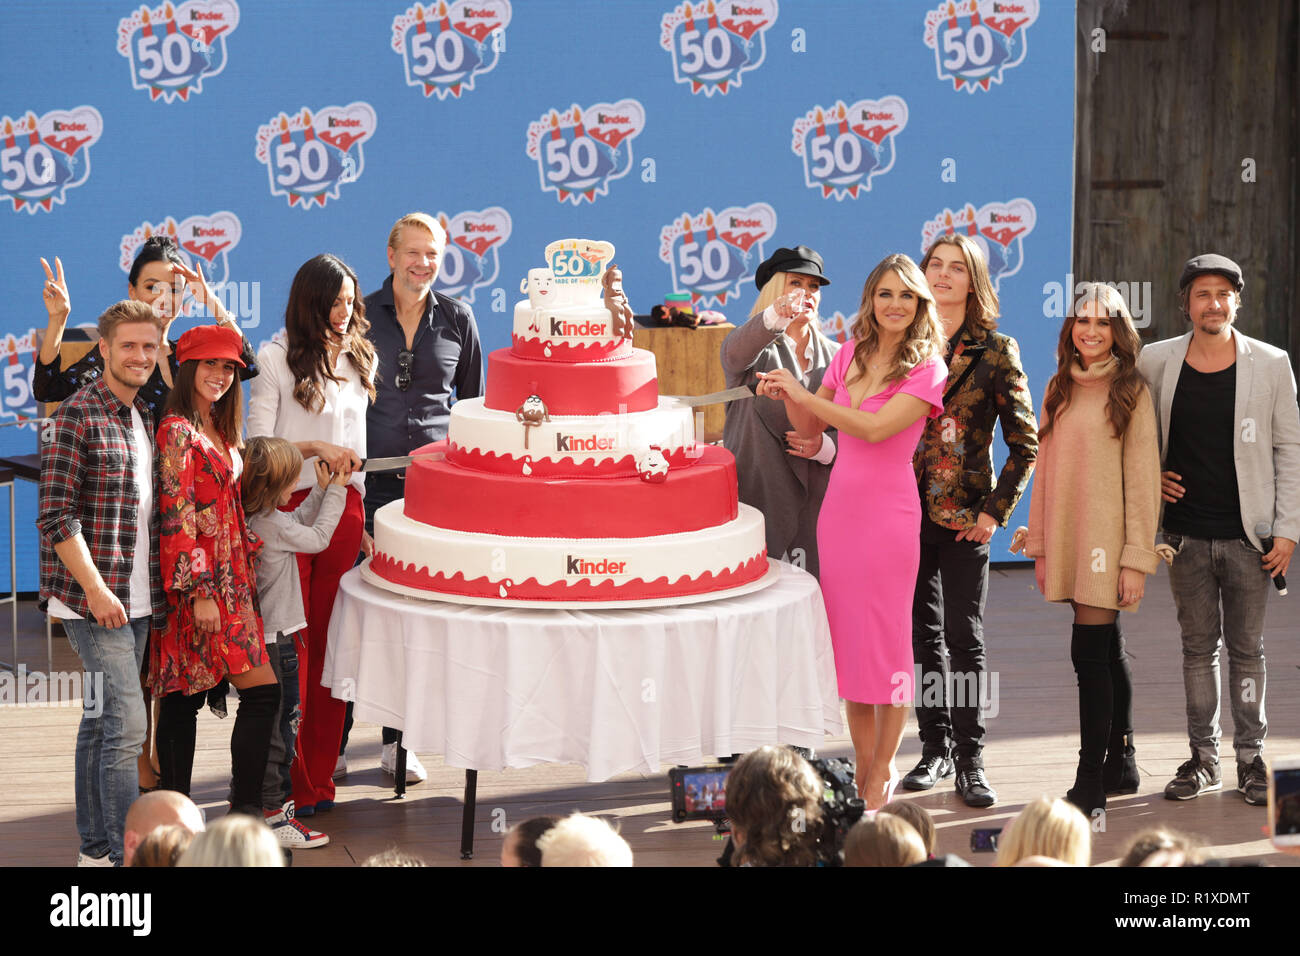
{"x":974,"y":41}
{"x":712,"y":254}
{"x":172,"y":48}
{"x":470,"y":260}
{"x":998,"y":228}
{"x":309,"y":155}
{"x":580,"y":150}
{"x":41,"y":157}
{"x":444,"y":46}
{"x":843,"y":147}
{"x":711,"y":51}
{"x":17,"y":366}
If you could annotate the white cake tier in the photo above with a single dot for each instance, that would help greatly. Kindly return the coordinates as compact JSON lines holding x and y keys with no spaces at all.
{"x":492,"y":440}
{"x":568,"y":333}
{"x":427,"y":558}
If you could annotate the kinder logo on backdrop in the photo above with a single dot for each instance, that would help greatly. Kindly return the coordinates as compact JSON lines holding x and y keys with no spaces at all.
{"x":713,"y":254}
{"x":205,"y":240}
{"x":42,"y":157}
{"x":445,"y":46}
{"x":580,"y":150}
{"x":843,"y":147}
{"x":308,"y":156}
{"x":974,"y":41}
{"x":997,"y":228}
{"x":712,"y":44}
{"x":172,"y":48}
{"x":470,"y":260}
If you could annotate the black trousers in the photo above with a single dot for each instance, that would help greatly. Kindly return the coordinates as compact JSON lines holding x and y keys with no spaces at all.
{"x":952,"y":584}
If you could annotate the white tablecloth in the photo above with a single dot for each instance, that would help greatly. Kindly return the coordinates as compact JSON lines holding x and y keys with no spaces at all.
{"x":614,"y":690}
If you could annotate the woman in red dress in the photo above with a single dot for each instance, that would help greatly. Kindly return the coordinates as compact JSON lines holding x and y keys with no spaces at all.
{"x":206,"y":550}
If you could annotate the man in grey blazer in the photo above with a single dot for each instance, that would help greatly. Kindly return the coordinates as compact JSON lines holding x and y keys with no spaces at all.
{"x":1230,"y":451}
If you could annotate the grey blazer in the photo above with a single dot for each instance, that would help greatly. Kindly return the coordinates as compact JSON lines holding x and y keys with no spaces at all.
{"x":1266,"y":446}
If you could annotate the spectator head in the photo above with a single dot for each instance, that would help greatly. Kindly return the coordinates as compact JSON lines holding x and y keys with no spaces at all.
{"x":271,"y":469}
{"x":774,"y":804}
{"x":883,"y":840}
{"x":161,"y":808}
{"x":1051,"y":828}
{"x":916,"y":815}
{"x":393,"y":857}
{"x":162,"y":846}
{"x":580,"y":840}
{"x":1161,"y":846}
{"x":520,"y":845}
{"x":152,"y":281}
{"x":235,"y":840}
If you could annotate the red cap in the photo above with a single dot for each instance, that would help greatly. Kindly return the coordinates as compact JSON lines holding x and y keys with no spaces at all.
{"x":211,"y":342}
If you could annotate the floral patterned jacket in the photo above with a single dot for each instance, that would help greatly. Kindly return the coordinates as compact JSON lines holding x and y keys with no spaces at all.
{"x":954,"y":465}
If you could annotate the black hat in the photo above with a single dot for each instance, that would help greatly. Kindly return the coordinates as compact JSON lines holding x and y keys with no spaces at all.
{"x":800,"y":259}
{"x":1211,"y":263}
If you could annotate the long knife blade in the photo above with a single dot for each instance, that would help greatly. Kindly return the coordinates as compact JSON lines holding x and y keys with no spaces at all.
{"x":372,"y":465}
{"x":713,"y":398}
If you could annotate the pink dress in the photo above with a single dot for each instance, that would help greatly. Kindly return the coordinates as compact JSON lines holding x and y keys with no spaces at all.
{"x":868,"y":541}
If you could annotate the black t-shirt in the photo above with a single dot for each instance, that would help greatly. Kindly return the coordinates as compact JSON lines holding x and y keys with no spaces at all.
{"x":1202,"y":425}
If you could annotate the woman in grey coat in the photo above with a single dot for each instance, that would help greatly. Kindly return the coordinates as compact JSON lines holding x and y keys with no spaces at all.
{"x":779,"y":473}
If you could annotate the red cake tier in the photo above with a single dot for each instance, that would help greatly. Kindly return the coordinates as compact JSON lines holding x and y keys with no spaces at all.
{"x":445,"y":495}
{"x":477,"y":460}
{"x":573,"y":388}
{"x":543,"y":351}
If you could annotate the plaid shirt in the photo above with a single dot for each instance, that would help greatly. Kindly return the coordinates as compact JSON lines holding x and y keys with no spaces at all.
{"x":87,"y":487}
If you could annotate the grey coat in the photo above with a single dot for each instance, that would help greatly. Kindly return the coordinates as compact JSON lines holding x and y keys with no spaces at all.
{"x":788,"y":490}
{"x":286,"y":534}
{"x":1266,"y":446}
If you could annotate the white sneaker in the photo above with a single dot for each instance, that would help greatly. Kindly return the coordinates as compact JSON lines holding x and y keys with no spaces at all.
{"x":415,"y":772}
{"x":289,"y":832}
{"x":341,"y":768}
{"x":83,"y":860}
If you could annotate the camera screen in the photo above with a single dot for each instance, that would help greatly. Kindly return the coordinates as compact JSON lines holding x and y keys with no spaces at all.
{"x":705,"y":791}
{"x":1286,"y":797}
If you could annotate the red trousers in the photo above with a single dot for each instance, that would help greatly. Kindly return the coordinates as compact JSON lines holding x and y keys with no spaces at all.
{"x":321,"y":727}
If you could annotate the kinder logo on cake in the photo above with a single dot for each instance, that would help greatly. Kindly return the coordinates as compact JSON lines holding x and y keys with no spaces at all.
{"x":470,"y":260}
{"x":17,"y":365}
{"x":205,"y":240}
{"x":712,"y":44}
{"x":308,"y":156}
{"x":172,"y":48}
{"x":444,"y":46}
{"x":592,"y":566}
{"x":713,"y":254}
{"x":998,"y":228}
{"x":974,"y":41}
{"x":844,"y":147}
{"x":580,"y":150}
{"x":42,"y":157}
{"x":585,"y":442}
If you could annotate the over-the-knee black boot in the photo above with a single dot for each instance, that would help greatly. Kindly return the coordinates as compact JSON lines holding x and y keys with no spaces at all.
{"x":250,"y":742}
{"x":1090,"y":654}
{"x":174,"y":737}
{"x":1119,"y":774}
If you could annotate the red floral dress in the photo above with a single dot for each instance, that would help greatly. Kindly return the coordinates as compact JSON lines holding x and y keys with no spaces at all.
{"x":206,"y":549}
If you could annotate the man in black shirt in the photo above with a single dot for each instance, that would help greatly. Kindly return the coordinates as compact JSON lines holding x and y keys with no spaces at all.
{"x":1230,"y":443}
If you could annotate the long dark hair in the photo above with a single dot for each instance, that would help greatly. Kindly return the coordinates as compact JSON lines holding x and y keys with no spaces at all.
{"x":981,"y":299}
{"x":1126,"y":385}
{"x":154,"y":249}
{"x":227,"y":411}
{"x":306,"y":320}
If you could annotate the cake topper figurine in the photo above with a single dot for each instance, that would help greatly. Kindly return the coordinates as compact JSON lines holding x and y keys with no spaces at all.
{"x":616,"y":301}
{"x":532,"y":413}
{"x":652,"y":466}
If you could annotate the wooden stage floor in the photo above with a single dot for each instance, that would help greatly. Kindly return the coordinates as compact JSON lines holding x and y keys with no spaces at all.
{"x":1031,"y":750}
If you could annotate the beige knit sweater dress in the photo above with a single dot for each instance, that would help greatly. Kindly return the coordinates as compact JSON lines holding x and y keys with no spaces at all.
{"x":1096,"y":497}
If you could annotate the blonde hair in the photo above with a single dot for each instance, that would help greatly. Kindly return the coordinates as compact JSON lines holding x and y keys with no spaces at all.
{"x":1051,"y":828}
{"x":580,"y":840}
{"x":125,"y":312}
{"x":162,"y":846}
{"x":271,"y":467}
{"x":883,"y":840}
{"x":418,"y":220}
{"x":772,"y":290}
{"x":923,"y":339}
{"x":916,"y":815}
{"x":235,"y":840}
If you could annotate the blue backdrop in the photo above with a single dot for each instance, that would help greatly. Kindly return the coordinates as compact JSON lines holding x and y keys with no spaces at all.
{"x":695,"y":137}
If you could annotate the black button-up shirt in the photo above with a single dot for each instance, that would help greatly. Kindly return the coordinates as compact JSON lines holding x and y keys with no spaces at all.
{"x":447,"y":358}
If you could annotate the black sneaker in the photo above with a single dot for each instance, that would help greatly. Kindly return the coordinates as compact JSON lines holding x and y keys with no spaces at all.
{"x":1252,"y":781}
{"x":928,"y":772}
{"x":1194,"y":778}
{"x":974,"y":788}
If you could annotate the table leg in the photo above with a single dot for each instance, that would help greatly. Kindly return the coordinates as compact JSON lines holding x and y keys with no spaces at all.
{"x":467,"y":816}
{"x":12,"y":599}
{"x":399,"y":787}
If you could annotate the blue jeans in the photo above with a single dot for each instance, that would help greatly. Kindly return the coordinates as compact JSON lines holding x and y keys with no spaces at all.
{"x":112,"y":731}
{"x":278,"y":783}
{"x":1218,"y":580}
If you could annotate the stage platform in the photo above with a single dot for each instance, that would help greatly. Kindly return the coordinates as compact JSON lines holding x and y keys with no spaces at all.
{"x":1030,"y":751}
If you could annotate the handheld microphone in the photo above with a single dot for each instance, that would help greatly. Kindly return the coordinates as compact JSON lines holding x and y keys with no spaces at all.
{"x":1264,"y":531}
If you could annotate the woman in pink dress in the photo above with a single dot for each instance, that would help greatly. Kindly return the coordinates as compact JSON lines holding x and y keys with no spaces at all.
{"x":877,"y":391}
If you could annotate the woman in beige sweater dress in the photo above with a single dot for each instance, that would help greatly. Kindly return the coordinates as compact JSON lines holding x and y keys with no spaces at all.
{"x":1092,"y":524}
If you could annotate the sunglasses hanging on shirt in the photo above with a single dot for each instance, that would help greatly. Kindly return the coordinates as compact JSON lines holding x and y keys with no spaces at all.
{"x":404,"y":360}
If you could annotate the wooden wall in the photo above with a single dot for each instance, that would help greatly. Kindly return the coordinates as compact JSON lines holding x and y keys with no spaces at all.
{"x":1184,"y":92}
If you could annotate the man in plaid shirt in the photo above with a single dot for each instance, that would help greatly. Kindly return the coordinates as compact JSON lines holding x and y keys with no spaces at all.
{"x":99,"y":565}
